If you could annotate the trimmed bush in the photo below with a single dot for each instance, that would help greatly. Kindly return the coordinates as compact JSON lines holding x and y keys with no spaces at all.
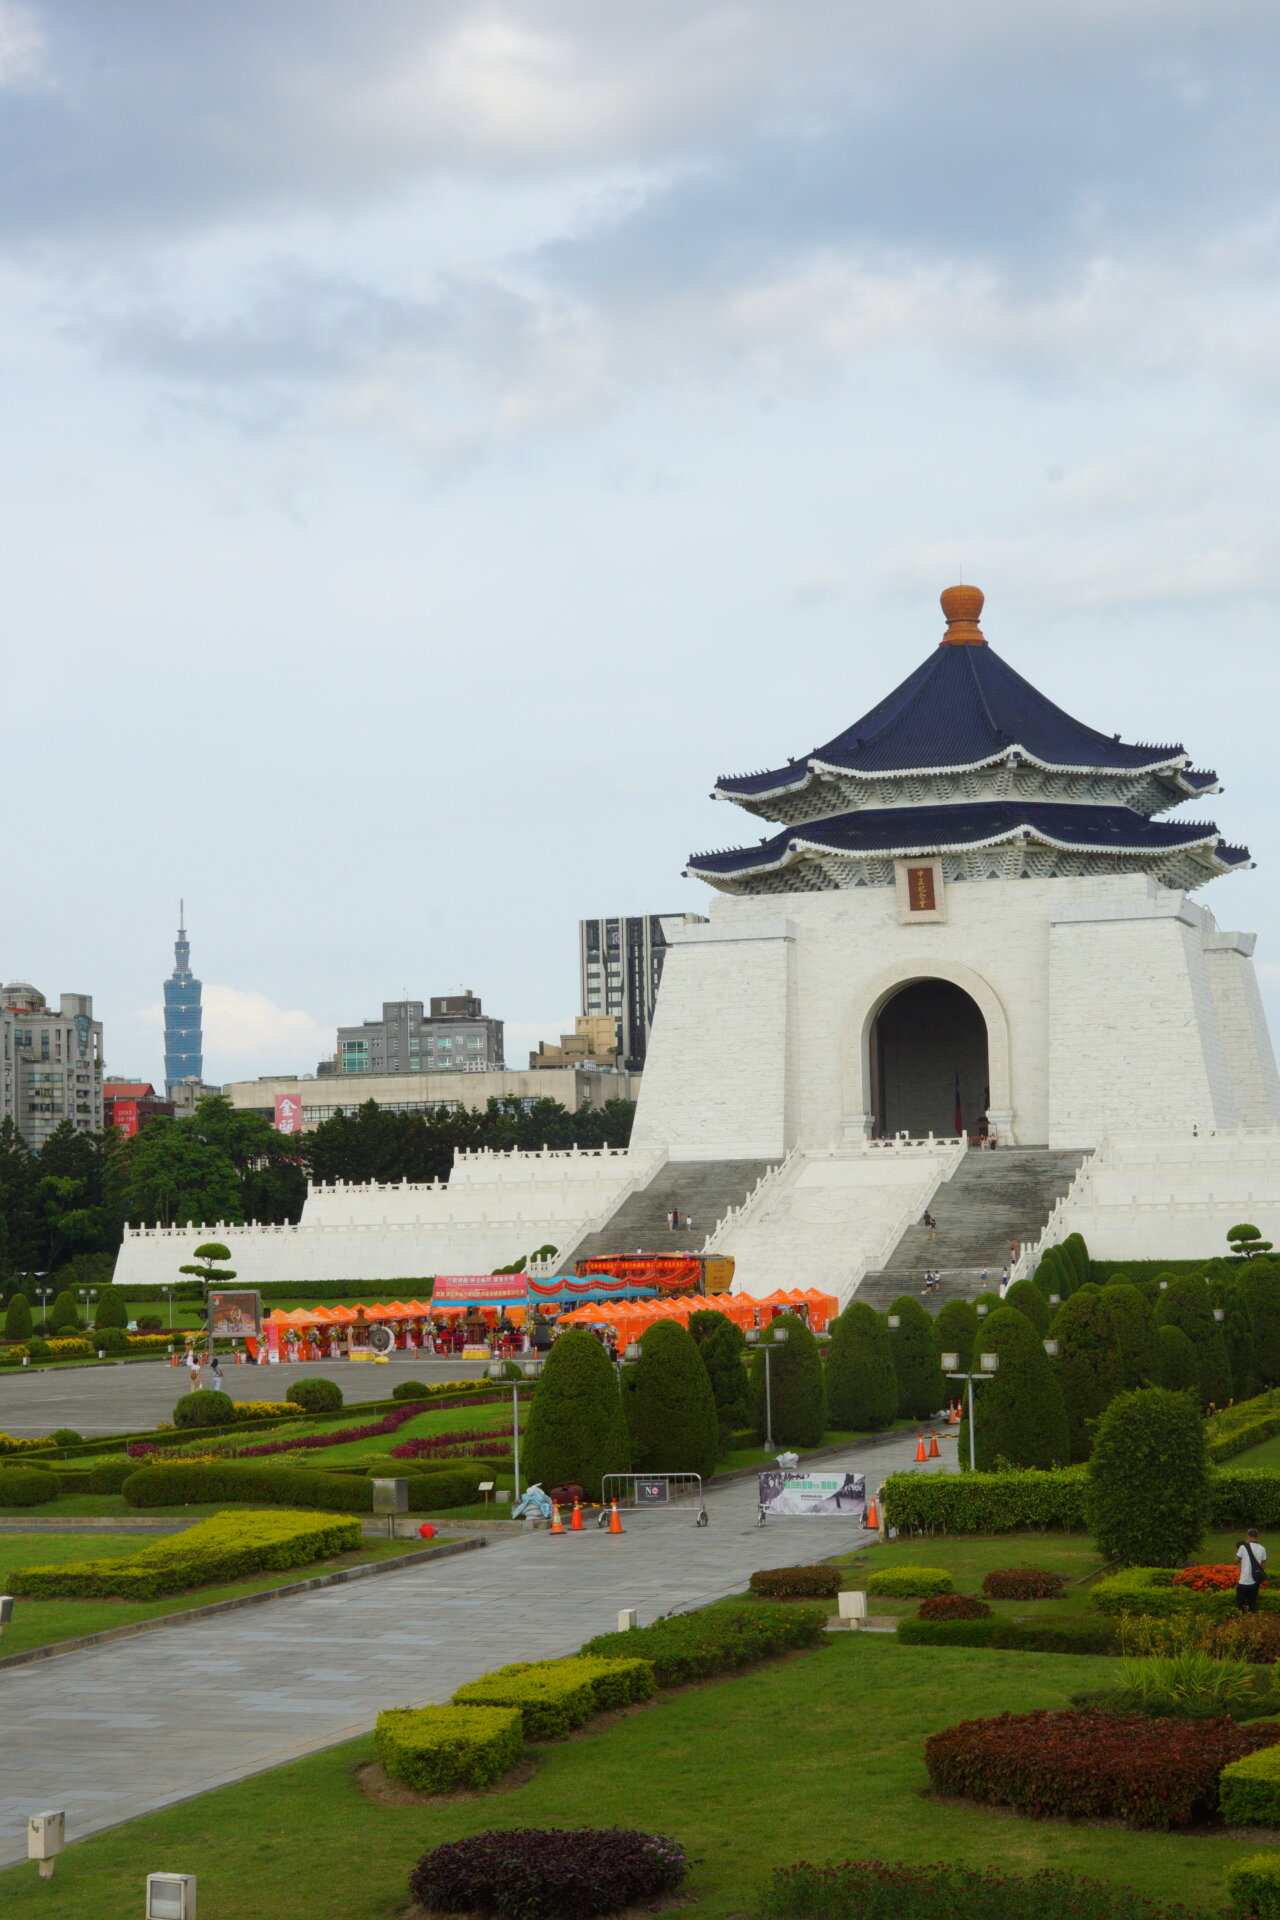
{"x":921,"y":1387}
{"x":555,"y":1696}
{"x":228,"y":1547}
{"x":411,"y":1390}
{"x":1134,"y":1327}
{"x":697,"y":1646}
{"x":910,"y":1583}
{"x":111,"y":1340}
{"x":1148,"y":1479}
{"x":797,"y":1583}
{"x":1019,"y":1412}
{"x":1148,"y":1773}
{"x":880,"y":1890}
{"x":576,"y":1431}
{"x":862,"y":1387}
{"x":914,"y":1632}
{"x":669,"y":1405}
{"x":315,"y":1396}
{"x":953,"y":1606}
{"x":1176,"y":1367}
{"x":64,"y":1313}
{"x":1026,"y":1296}
{"x":954,"y":1331}
{"x":1250,"y":1790}
{"x":1024,"y":1583}
{"x":27,"y":1487}
{"x":986,"y":1502}
{"x":1088,"y":1367}
{"x":722,"y":1344}
{"x":1186,"y":1303}
{"x":177,"y":1483}
{"x":560,"y":1874}
{"x":17,"y":1318}
{"x":1150,"y":1590}
{"x":206,"y":1408}
{"x":440,"y":1749}
{"x":1253,"y":1885}
{"x":1063,"y":1636}
{"x":109,"y":1476}
{"x":798,"y":1390}
{"x":113,"y":1311}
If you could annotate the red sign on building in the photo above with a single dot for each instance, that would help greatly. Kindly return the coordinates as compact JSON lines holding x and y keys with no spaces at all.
{"x":288,"y":1113}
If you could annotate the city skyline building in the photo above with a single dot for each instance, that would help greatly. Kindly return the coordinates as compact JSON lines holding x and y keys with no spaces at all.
{"x":620,"y":969}
{"x":457,"y":1036}
{"x":183,"y":1034}
{"x":52,"y":1062}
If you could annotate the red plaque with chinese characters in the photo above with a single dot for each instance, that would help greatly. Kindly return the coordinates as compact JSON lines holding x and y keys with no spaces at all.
{"x":921,"y":896}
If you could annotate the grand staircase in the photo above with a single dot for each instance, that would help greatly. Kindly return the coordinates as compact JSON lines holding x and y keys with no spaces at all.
{"x":701,"y":1190}
{"x":990,"y":1200}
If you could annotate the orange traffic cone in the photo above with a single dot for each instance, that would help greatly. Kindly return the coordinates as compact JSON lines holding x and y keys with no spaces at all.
{"x":935,"y":1452}
{"x":872,"y":1517}
{"x":920,"y":1452}
{"x":575,"y":1524}
{"x":555,"y":1519}
{"x":615,"y":1520}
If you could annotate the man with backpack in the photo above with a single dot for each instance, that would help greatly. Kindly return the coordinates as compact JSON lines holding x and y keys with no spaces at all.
{"x":1252,"y":1556}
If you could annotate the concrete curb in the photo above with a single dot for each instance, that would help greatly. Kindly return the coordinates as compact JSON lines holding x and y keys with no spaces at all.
{"x":341,"y":1578}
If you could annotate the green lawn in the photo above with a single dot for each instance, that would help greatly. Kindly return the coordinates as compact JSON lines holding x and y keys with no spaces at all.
{"x":39,"y":1623}
{"x":1265,"y":1454}
{"x":818,"y":1757}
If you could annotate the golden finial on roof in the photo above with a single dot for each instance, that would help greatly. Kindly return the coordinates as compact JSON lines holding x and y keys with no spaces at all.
{"x":962,"y":606}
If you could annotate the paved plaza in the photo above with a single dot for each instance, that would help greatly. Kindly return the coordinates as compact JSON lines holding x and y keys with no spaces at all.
{"x":106,"y":1733}
{"x":133,"y":1395}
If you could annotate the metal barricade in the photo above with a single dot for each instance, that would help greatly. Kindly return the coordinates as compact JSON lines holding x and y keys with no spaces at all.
{"x":649,"y":1492}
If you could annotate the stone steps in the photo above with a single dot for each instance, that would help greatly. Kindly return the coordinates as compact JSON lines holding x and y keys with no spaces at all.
{"x":702,"y":1190}
{"x":991,"y":1200}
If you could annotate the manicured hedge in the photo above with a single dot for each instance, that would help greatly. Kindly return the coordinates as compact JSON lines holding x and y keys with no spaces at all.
{"x":178,"y":1483}
{"x":27,"y":1487}
{"x":910,"y":1583}
{"x":561,"y":1874}
{"x":1023,"y":1583}
{"x":888,"y":1890}
{"x":915,"y":1632}
{"x":696,"y":1646}
{"x":109,"y":1476}
{"x":439,"y":1749}
{"x":1066,"y":1636}
{"x":797,"y":1583}
{"x":1250,"y":1790}
{"x":205,"y":1408}
{"x":555,"y":1696}
{"x":229,"y":1547}
{"x":1253,"y":1886}
{"x":953,"y":1606}
{"x":1148,"y":1773}
{"x":1051,"y":1502}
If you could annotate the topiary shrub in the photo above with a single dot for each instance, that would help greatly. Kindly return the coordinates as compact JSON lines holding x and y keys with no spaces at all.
{"x":1186,"y":1303}
{"x":205,"y":1408}
{"x":1024,"y":1583}
{"x":577,"y":1431}
{"x":797,"y":1583}
{"x":953,"y":1606}
{"x":955,"y":1329}
{"x":1020,"y":1417}
{"x":921,"y":1387}
{"x":797,"y":1388}
{"x":722,"y":1344}
{"x":669,"y":1405}
{"x":563,"y":1873}
{"x":66,"y":1437}
{"x":862,"y":1387}
{"x":1026,"y":1296}
{"x":685,"y":1647}
{"x":109,"y":1476}
{"x":442,"y":1749}
{"x":555,"y":1696}
{"x":1089,"y":1369}
{"x":1253,"y":1884}
{"x":113,"y":1310}
{"x":64,"y":1313}
{"x":111,"y":1340}
{"x":27,"y":1487}
{"x":910,"y":1583}
{"x":17,"y":1318}
{"x":411,"y":1390}
{"x":1148,"y":1479}
{"x":315,"y":1396}
{"x":1176,"y":1367}
{"x":1146,"y":1772}
{"x":1134,"y":1326}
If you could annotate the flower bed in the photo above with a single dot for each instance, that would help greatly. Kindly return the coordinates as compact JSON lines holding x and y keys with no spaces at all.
{"x":1149,"y":1773}
{"x":888,"y":1890}
{"x":1207,"y":1579}
{"x":694,"y":1646}
{"x":553,"y":1874}
{"x":228,"y":1547}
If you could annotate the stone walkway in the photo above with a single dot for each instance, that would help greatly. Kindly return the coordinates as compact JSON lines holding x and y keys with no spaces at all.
{"x":108,"y":1733}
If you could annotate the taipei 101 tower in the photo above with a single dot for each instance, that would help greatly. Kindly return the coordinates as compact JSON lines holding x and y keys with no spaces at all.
{"x":183,"y":1043}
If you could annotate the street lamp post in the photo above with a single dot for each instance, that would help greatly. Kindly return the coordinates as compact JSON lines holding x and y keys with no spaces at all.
{"x":753,"y":1338}
{"x":987,"y":1362}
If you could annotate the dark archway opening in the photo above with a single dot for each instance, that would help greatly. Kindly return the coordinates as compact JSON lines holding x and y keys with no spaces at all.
{"x":929,"y":1071}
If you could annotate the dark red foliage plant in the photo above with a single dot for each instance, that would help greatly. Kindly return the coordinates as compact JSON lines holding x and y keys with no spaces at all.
{"x":1146,"y":1772}
{"x":553,"y":1873}
{"x":953,"y":1606}
{"x":1023,"y":1583}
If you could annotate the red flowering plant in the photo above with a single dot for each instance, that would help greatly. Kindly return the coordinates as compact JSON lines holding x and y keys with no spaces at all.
{"x":1207,"y":1579}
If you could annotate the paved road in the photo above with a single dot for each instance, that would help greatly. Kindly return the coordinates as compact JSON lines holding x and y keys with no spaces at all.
{"x":124,"y":1399}
{"x":107,"y":1733}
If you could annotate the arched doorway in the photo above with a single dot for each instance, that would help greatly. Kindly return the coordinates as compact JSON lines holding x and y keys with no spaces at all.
{"x":929,"y":1061}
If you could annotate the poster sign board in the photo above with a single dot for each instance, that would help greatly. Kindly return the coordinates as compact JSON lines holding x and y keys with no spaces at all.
{"x":460,"y":1288}
{"x":650,"y":1493}
{"x":234,"y":1314}
{"x":288,"y":1113}
{"x":801,"y":1495}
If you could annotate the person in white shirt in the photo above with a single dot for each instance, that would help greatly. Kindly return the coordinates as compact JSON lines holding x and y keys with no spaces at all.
{"x":1252,"y":1556}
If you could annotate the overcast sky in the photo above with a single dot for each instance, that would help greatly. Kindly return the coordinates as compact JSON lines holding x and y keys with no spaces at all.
{"x":440,"y":440}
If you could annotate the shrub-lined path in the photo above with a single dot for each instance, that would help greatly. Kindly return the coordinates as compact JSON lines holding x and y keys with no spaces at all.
{"x":119,"y":1730}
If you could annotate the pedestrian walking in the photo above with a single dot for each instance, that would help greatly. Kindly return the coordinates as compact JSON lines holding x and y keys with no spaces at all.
{"x":1252,"y":1556}
{"x":688,"y":1223}
{"x":193,"y":1369}
{"x":984,"y":1279}
{"x":1004,"y":1282}
{"x":216,"y":1382}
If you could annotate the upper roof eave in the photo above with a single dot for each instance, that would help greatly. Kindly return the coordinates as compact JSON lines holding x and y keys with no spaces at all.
{"x":794,"y":779}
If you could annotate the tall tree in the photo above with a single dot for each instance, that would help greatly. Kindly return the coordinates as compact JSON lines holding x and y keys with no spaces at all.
{"x":1018,"y":1410}
{"x":1148,"y":1487}
{"x":722,"y":1344}
{"x":176,"y":1179}
{"x":954,"y":1331}
{"x":1089,"y":1367}
{"x":862,"y":1388}
{"x":577,"y":1431}
{"x":1026,"y":1296}
{"x":921,"y":1388}
{"x":1135,"y":1329}
{"x":1186,"y":1303}
{"x":796,"y":1389}
{"x":669,"y":1405}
